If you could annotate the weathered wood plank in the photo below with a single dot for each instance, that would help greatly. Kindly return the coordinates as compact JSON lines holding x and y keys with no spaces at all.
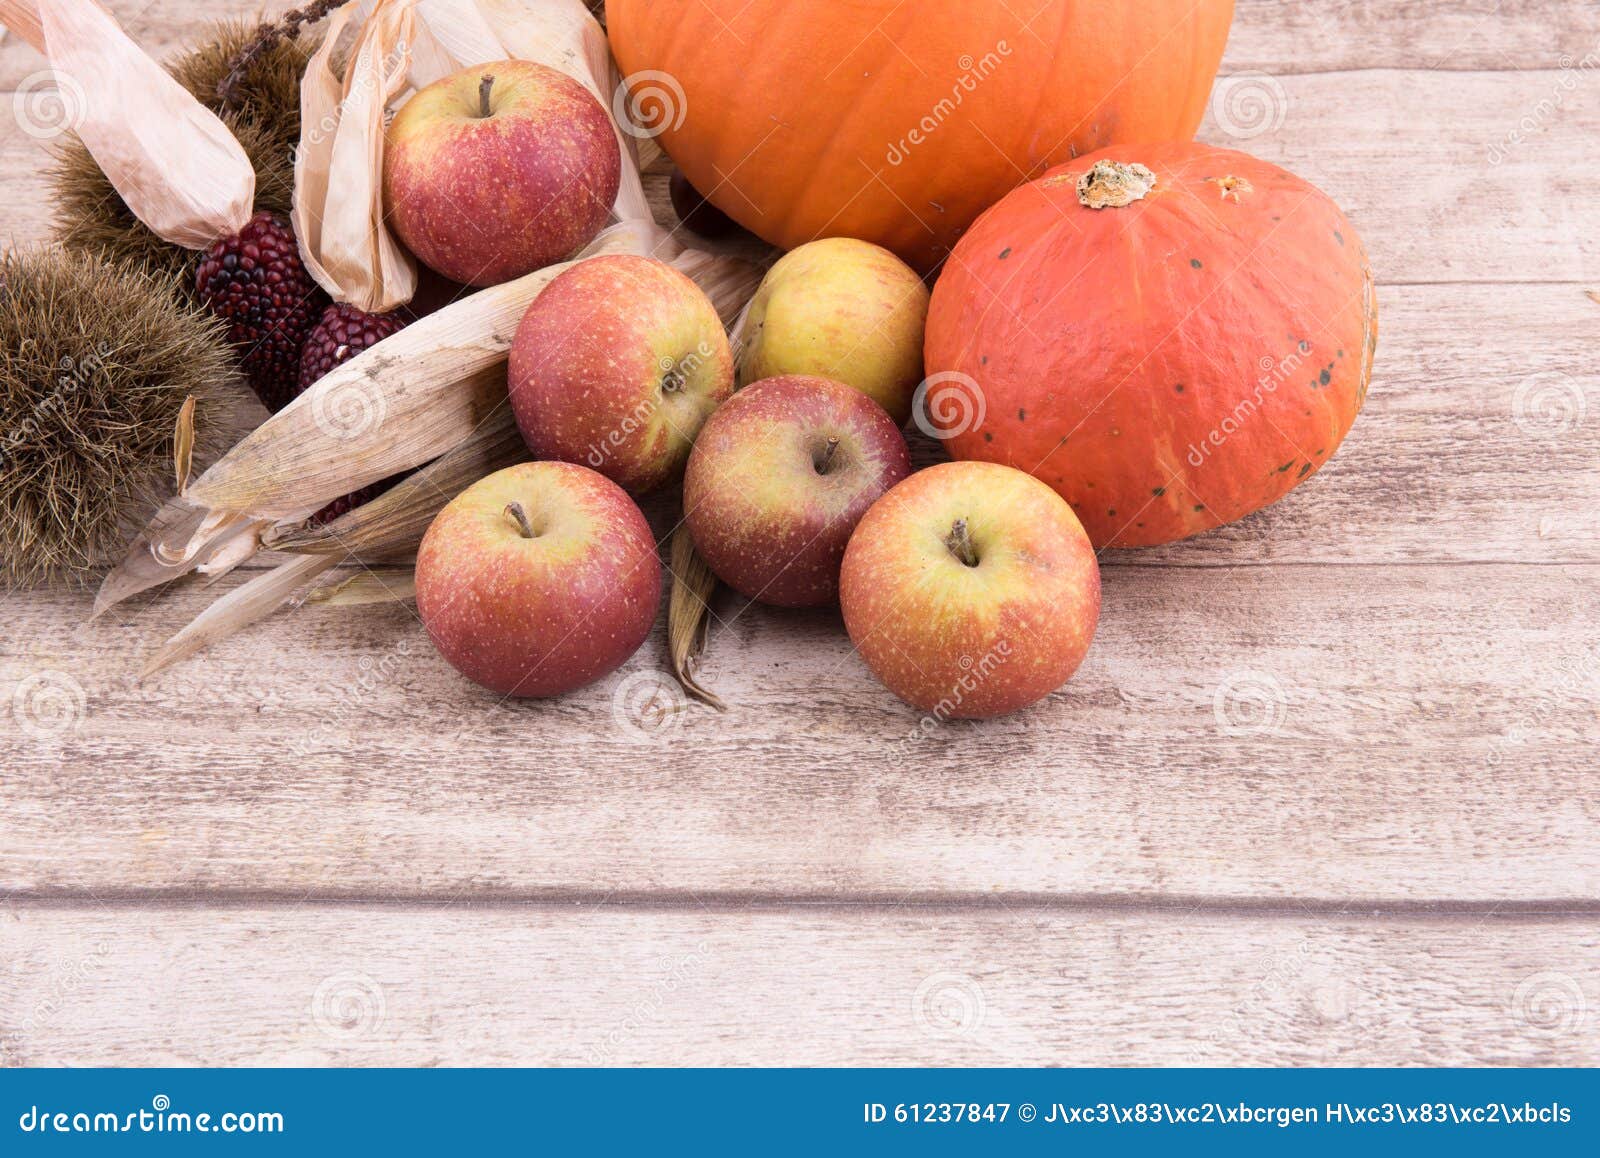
{"x":1492,"y":191}
{"x":1347,"y":35}
{"x":1419,"y":733}
{"x":1269,"y":35}
{"x":533,"y":985}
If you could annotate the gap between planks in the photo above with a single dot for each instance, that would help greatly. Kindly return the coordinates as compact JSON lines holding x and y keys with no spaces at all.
{"x":1374,"y":911}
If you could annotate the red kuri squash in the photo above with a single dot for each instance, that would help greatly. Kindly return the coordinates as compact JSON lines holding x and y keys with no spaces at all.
{"x":1172,"y":336}
{"x":898,"y":123}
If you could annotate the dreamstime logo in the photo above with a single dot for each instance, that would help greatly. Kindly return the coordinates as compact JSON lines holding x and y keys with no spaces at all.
{"x":349,"y":410}
{"x":1550,"y":1003}
{"x":48,"y":705}
{"x":364,"y":82}
{"x":1249,"y":703}
{"x":1549,"y":405}
{"x":1538,"y":118}
{"x":348,"y":701}
{"x":1274,"y":372}
{"x":974,"y":673}
{"x":349,"y":1005}
{"x":49,"y":103}
{"x":1575,"y":672}
{"x":650,"y":103}
{"x":949,"y":1005}
{"x":948,"y":404}
{"x":648,"y":706}
{"x":973,"y":73}
{"x":73,"y":375}
{"x":1249,"y":104}
{"x":67,"y":979}
{"x":675,"y":973}
{"x":676,"y":374}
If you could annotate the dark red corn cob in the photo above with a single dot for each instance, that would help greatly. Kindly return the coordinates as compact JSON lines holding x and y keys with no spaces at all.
{"x":340,"y":334}
{"x":257,"y":284}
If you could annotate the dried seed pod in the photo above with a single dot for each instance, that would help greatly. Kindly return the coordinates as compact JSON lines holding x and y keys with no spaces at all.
{"x":264,"y":116}
{"x":90,"y":397}
{"x":689,"y":616}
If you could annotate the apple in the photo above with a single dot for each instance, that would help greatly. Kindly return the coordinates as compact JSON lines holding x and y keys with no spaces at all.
{"x":617,"y":365}
{"x":842,"y":309}
{"x":971,"y":590}
{"x":499,"y":170}
{"x":779,"y":478}
{"x":539,"y":579}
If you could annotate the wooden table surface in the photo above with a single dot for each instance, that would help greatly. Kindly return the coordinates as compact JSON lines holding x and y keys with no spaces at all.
{"x":1326,"y":790}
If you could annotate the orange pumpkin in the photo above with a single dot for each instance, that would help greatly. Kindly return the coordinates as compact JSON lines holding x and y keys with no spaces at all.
{"x":897,"y":122}
{"x":1172,"y":336}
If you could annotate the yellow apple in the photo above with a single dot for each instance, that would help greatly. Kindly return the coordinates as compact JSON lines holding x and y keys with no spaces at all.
{"x":841,"y":309}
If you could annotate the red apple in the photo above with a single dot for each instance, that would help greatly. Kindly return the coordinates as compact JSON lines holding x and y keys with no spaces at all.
{"x":971,"y":590}
{"x":617,"y":365}
{"x":499,"y":170}
{"x":539,"y":579}
{"x":779,"y":478}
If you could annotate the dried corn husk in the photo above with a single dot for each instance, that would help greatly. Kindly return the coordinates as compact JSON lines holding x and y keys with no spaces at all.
{"x":388,"y":527}
{"x":391,"y":525}
{"x":176,"y":165}
{"x":689,"y":615}
{"x":412,"y":382}
{"x":180,"y":539}
{"x":338,"y":168}
{"x":260,"y":597}
{"x":366,"y":589}
{"x":183,"y":446}
{"x":22,"y":17}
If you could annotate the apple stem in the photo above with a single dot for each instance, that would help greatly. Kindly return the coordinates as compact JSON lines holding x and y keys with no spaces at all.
{"x":827,"y":456}
{"x":484,"y":86}
{"x":517,"y":515}
{"x":960,"y":543}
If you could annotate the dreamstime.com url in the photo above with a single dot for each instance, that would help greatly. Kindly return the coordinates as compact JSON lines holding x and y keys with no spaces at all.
{"x":1334,"y":1114}
{"x":160,"y":1118}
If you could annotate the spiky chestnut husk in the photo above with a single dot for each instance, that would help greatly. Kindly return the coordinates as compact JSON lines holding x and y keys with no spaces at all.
{"x":89,"y":398}
{"x":257,"y":284}
{"x":342,"y":333}
{"x":89,"y":215}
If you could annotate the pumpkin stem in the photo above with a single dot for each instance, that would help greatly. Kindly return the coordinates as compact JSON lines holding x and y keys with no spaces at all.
{"x":1111,"y":185}
{"x":960,"y":543}
{"x":484,"y":85}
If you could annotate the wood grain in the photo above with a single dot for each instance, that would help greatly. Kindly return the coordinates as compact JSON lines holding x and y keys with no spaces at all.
{"x":1324,"y":792}
{"x":1455,"y":35}
{"x":1363,"y":733}
{"x":532,"y":985}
